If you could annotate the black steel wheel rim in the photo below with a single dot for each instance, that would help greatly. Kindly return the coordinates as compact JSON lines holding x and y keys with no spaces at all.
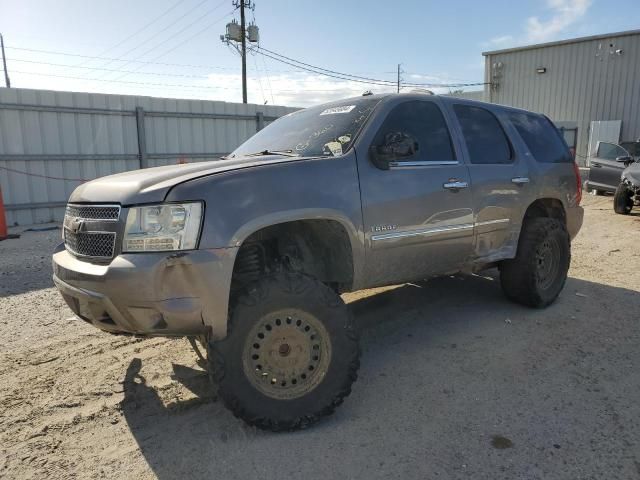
{"x":287,"y":354}
{"x":547,"y":263}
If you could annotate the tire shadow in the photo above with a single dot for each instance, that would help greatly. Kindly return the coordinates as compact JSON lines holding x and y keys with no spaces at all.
{"x":427,"y":347}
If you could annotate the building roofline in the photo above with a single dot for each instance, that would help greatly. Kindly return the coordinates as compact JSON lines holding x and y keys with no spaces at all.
{"x":563,"y":42}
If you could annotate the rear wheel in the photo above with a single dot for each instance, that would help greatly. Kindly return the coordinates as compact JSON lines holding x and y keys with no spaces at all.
{"x":291,"y":354}
{"x":538,"y":273}
{"x":623,"y":200}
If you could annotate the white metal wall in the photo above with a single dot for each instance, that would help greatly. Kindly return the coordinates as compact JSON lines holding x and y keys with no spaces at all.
{"x":596,"y":78}
{"x":602,"y":131}
{"x":51,"y":141}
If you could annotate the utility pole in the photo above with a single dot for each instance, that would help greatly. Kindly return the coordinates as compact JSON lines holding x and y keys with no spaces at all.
{"x":4,"y":63}
{"x":238,"y":35}
{"x":398,"y":78}
{"x":243,"y":53}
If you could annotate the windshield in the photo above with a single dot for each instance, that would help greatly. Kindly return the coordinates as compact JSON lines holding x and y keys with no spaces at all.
{"x":326,"y":130}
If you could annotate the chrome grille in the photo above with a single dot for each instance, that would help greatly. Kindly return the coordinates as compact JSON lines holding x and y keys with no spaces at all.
{"x":90,"y":244}
{"x":90,"y":230}
{"x":94,"y":212}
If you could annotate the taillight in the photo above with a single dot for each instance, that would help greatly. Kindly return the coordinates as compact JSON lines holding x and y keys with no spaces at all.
{"x":576,"y":170}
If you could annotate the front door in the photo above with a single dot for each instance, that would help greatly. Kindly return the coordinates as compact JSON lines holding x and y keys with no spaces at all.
{"x":605,"y":171}
{"x":416,"y":203}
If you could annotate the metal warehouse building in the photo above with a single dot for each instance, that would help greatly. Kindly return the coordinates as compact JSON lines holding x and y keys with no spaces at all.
{"x":589,"y":86}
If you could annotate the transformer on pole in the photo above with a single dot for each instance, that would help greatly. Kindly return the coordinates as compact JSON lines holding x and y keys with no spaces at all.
{"x":239,"y":34}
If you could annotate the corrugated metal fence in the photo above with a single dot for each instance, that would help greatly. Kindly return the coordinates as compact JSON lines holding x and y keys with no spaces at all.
{"x":50,"y":142}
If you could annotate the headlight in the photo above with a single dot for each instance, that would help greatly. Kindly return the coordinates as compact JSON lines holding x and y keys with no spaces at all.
{"x":169,"y":226}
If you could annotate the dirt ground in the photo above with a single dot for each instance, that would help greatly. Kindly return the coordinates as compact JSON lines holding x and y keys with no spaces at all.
{"x":456,"y":382}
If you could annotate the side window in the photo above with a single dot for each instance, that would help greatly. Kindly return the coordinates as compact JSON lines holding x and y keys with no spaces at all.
{"x":610,"y":151}
{"x":541,"y":137}
{"x":486,"y":141}
{"x":424,"y":123}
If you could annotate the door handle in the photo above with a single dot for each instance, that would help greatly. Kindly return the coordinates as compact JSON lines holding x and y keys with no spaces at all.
{"x":520,"y":180}
{"x":455,"y":184}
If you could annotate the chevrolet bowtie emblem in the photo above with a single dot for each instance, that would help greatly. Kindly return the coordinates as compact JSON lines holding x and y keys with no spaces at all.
{"x":76,"y":225}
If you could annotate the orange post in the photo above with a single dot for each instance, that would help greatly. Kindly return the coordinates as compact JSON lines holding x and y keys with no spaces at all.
{"x":3,"y":220}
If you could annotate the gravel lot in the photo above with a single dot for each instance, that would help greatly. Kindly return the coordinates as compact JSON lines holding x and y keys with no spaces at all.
{"x":456,"y":382}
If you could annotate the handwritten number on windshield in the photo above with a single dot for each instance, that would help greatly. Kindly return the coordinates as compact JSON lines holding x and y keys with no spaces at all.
{"x":314,"y":135}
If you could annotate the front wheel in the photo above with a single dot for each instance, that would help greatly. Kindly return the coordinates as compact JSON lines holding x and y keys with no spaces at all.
{"x":291,"y":354}
{"x":538,"y":273}
{"x":622,"y":200}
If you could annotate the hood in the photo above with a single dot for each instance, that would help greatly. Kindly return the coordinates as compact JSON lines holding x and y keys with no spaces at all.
{"x":632,"y":173}
{"x":151,"y":185}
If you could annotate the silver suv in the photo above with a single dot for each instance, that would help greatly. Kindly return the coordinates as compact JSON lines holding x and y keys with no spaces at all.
{"x":249,"y":254}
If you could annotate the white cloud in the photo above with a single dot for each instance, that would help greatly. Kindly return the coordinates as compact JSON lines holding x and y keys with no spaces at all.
{"x":299,"y":89}
{"x":500,"y":41}
{"x":565,"y":13}
{"x":296,"y":89}
{"x":290,"y":89}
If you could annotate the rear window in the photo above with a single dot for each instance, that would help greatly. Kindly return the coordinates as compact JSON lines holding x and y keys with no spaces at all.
{"x":541,"y":137}
{"x":485,"y":139}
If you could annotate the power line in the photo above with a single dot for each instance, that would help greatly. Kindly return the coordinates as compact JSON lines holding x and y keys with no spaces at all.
{"x":323,"y":69}
{"x":316,"y":71}
{"x":161,"y":31}
{"x":346,"y":76}
{"x":131,"y":82}
{"x":116,"y":70}
{"x":264,"y":63}
{"x":137,"y":32}
{"x":207,"y":27}
{"x":171,"y":38}
{"x":259,"y":79}
{"x":67,"y":54}
{"x":142,"y":62}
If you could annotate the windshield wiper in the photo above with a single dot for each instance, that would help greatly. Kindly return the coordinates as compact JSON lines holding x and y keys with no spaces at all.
{"x":285,"y":153}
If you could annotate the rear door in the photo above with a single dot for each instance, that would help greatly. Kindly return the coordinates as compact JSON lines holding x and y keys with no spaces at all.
{"x":502,"y":185}
{"x":417,"y":212}
{"x":605,"y":171}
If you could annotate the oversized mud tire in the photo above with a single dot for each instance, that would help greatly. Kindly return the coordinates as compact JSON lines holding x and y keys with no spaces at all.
{"x":290,"y":356}
{"x":622,"y":200}
{"x":538,"y":273}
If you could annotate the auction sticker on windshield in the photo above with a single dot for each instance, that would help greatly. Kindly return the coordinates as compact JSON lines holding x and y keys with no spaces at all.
{"x":344,"y":109}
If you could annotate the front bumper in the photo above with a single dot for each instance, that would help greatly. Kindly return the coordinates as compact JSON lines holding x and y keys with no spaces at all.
{"x":168,"y":293}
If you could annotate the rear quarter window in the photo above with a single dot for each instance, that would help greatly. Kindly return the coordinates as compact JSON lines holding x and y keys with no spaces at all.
{"x":541,"y":137}
{"x":485,"y":139}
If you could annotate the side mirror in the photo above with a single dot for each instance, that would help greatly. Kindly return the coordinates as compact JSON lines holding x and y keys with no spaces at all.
{"x":624,"y":159}
{"x":396,"y":146}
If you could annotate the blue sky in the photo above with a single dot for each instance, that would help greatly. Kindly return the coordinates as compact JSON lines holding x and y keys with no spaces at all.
{"x":436,"y":42}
